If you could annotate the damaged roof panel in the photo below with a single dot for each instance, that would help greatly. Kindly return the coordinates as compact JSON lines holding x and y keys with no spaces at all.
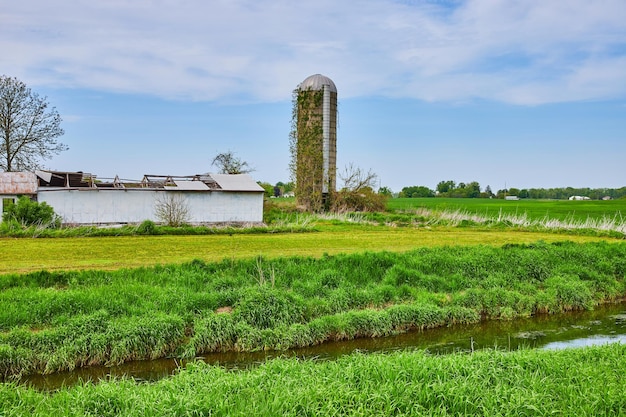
{"x":12,"y":183}
{"x":236,"y":182}
{"x":188,"y":186}
{"x":65,"y":179}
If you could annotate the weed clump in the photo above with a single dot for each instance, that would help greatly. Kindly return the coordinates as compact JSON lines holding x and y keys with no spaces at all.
{"x":265,"y":308}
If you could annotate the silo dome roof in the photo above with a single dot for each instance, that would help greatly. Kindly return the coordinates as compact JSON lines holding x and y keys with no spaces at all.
{"x":316,"y":82}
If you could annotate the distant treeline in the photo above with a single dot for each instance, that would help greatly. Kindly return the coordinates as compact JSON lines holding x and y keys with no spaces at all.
{"x":474,"y":190}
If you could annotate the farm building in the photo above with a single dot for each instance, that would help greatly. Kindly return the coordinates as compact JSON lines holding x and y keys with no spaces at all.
{"x":81,"y":198}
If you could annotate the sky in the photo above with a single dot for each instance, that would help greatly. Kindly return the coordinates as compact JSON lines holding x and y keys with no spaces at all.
{"x":508,"y":93}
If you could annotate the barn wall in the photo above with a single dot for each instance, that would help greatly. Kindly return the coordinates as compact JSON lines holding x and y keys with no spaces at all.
{"x":99,"y":206}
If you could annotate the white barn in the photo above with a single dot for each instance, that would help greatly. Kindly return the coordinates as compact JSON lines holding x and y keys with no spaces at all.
{"x":83,"y":199}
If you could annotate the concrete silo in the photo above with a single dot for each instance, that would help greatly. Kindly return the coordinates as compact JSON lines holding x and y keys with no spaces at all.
{"x":316,"y":142}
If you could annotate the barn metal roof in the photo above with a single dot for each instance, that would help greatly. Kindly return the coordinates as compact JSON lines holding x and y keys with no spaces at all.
{"x":186,"y":185}
{"x":236,"y":182}
{"x":31,"y":183}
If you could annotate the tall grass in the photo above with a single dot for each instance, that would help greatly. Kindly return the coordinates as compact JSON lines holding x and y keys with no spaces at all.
{"x":580,"y":382}
{"x":97,"y":317}
{"x":603,"y":216}
{"x":9,"y":229}
{"x":425,"y":217}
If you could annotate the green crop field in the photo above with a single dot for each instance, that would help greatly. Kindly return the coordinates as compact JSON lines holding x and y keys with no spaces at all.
{"x":565,"y":210}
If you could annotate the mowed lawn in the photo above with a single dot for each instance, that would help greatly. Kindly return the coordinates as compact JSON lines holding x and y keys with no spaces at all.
{"x":27,"y":255}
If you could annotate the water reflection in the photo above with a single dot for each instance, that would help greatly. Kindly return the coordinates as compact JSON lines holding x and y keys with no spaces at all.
{"x":606,"y":324}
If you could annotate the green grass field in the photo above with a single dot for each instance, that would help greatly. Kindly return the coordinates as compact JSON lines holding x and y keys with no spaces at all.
{"x":534,"y":209}
{"x":78,"y":301}
{"x":26,"y":254}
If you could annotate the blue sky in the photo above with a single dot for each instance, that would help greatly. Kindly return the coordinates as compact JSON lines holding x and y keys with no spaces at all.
{"x":525,"y":94}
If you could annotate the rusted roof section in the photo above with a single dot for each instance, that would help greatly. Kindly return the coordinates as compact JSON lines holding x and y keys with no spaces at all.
{"x":18,"y":183}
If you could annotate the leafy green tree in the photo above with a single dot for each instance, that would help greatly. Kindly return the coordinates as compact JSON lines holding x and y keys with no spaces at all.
{"x":269,"y":188}
{"x":417,"y":191}
{"x":514,"y":191}
{"x":284,"y":188}
{"x":288,"y":187}
{"x":473,"y":190}
{"x":385,"y":191}
{"x":444,"y":187}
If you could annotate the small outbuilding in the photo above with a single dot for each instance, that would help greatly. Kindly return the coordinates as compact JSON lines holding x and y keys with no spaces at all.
{"x":83,"y":199}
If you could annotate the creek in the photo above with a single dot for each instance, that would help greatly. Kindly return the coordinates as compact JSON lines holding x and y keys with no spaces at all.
{"x":605,"y":324}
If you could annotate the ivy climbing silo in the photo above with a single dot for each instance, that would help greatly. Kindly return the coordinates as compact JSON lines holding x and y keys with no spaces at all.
{"x":315,"y":137}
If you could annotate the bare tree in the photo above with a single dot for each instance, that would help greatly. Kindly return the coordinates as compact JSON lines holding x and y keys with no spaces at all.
{"x":171,"y":209}
{"x":28,"y":127}
{"x":228,"y":163}
{"x":355,"y":179}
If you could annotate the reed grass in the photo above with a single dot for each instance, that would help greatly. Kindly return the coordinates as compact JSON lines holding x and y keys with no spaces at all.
{"x":611,"y":225}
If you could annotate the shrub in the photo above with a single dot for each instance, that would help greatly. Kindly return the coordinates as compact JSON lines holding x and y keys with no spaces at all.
{"x":364,"y":199}
{"x":31,"y":213}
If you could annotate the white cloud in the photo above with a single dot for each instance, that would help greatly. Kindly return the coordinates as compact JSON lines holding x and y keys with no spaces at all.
{"x":525,"y":52}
